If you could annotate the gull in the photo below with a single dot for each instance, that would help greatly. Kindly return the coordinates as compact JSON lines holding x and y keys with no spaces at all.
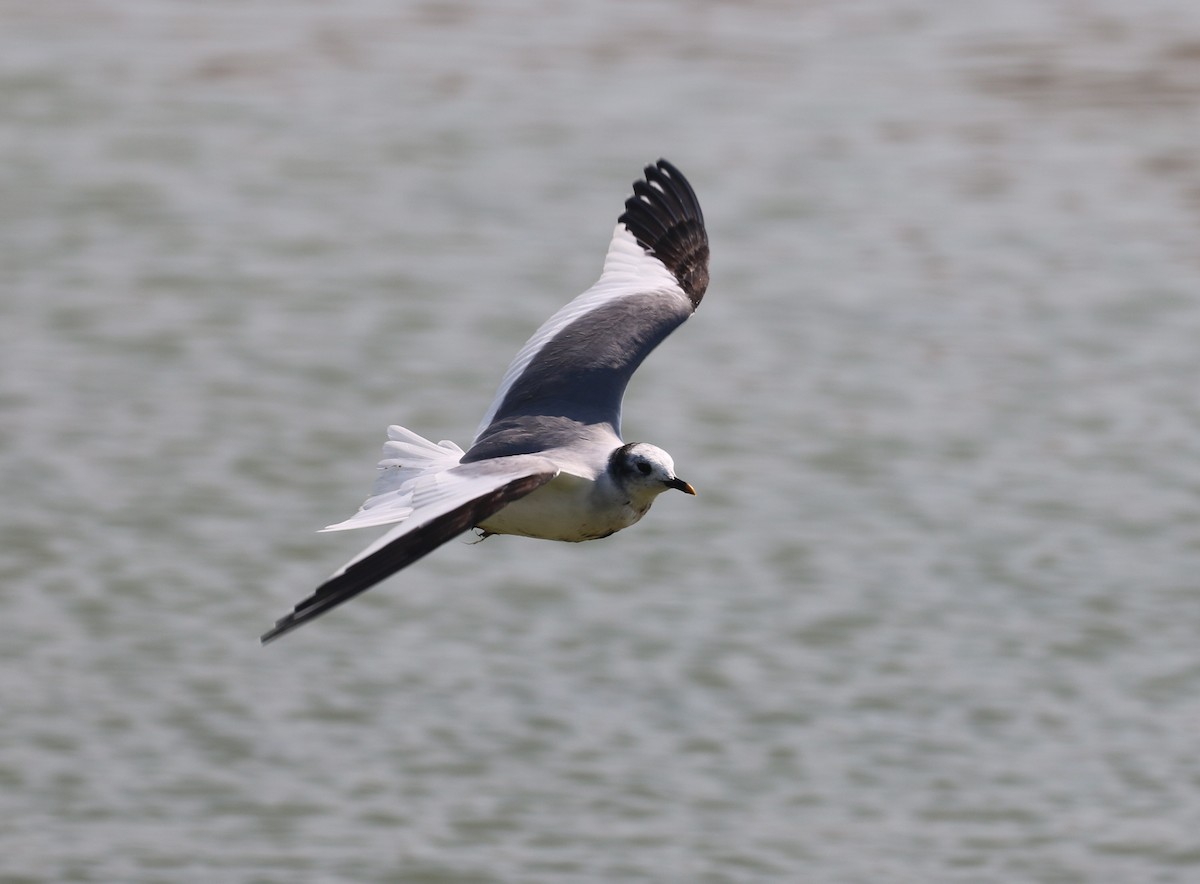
{"x":547,"y":460}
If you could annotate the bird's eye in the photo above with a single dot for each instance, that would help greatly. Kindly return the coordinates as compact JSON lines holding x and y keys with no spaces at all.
{"x":643,"y":468}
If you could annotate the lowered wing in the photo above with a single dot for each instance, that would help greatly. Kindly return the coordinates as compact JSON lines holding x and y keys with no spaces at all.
{"x":450,"y":503}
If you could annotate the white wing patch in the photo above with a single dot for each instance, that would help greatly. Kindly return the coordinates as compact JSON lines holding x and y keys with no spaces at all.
{"x":435,"y":494}
{"x":628,"y":270}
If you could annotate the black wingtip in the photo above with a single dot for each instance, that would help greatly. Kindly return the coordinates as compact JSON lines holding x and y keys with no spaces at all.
{"x":364,"y":573}
{"x":282,"y":627}
{"x":292,"y":620}
{"x":664,"y":216}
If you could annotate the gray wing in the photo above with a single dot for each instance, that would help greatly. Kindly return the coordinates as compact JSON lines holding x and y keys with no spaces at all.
{"x":575,"y":368}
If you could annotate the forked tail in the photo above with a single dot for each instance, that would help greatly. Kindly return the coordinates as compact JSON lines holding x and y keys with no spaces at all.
{"x":407,"y":457}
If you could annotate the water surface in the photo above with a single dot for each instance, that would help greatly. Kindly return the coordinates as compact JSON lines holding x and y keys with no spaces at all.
{"x":934,"y":616}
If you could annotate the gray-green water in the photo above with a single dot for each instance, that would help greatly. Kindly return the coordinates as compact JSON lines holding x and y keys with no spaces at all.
{"x":935,"y":616}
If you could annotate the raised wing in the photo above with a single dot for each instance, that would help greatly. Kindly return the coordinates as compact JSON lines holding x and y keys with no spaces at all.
{"x":577,"y":365}
{"x":453,"y":502}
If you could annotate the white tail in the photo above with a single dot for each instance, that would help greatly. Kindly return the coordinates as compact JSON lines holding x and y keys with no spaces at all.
{"x":407,"y":457}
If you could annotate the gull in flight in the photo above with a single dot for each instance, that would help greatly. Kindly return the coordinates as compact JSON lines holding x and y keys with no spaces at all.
{"x":548,"y":460}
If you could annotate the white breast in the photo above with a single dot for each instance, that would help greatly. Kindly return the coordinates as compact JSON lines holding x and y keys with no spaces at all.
{"x":568,"y":508}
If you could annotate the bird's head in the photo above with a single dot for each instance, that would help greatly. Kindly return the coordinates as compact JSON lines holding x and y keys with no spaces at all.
{"x":646,"y":470}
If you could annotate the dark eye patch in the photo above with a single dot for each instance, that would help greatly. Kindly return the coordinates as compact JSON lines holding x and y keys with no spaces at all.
{"x":644,"y":468}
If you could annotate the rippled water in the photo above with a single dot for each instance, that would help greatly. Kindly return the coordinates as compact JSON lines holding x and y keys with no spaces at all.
{"x":935,"y":614}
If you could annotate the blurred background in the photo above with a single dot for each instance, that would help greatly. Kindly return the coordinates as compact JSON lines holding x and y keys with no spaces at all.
{"x":934,"y":616}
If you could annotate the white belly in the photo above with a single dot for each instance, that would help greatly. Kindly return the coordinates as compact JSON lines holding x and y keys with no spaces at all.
{"x":566,"y":508}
